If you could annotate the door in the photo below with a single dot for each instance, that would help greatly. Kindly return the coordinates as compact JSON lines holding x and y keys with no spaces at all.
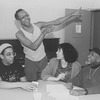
{"x":96,"y":28}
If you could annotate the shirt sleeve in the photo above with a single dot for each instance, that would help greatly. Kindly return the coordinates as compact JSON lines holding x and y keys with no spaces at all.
{"x":77,"y":80}
{"x":49,"y":70}
{"x":76,"y":67}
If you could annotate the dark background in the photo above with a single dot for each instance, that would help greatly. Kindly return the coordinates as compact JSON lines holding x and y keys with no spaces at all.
{"x":51,"y":46}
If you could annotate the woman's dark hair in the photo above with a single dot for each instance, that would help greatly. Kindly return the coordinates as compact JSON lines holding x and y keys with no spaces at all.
{"x":16,"y":13}
{"x":69,"y":52}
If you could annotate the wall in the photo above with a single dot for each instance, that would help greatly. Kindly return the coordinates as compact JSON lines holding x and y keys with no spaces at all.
{"x":41,"y":10}
{"x":44,"y":10}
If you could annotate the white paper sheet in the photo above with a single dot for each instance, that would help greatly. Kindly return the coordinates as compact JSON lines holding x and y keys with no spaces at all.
{"x":59,"y":92}
{"x":56,"y":88}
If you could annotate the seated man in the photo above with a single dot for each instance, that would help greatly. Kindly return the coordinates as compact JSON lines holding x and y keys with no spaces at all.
{"x":64,"y":67}
{"x":89,"y":77}
{"x":11,"y":73}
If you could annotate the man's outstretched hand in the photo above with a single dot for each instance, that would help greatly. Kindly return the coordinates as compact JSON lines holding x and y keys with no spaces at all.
{"x":78,"y":13}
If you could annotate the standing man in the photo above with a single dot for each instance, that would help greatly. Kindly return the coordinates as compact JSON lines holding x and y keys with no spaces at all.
{"x":31,"y":37}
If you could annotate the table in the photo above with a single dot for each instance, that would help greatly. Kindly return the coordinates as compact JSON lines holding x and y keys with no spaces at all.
{"x":19,"y":94}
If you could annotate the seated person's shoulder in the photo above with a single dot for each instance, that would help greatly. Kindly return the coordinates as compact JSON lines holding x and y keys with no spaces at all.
{"x":77,"y":64}
{"x":53,"y":60}
{"x":85,"y":69}
{"x":19,"y":68}
{"x":1,"y":64}
{"x":18,"y":65}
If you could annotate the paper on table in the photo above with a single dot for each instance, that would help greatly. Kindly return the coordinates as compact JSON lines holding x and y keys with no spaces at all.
{"x":59,"y":92}
{"x":56,"y":88}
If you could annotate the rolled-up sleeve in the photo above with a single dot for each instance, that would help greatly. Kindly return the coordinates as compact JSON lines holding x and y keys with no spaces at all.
{"x":49,"y":70}
{"x":76,"y":67}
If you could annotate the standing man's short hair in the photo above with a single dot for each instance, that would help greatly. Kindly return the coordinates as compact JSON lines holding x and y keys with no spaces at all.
{"x":16,"y":14}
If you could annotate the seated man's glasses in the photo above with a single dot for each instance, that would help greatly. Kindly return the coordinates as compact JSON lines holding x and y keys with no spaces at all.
{"x":10,"y":54}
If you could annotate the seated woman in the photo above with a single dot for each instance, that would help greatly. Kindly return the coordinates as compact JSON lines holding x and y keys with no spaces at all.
{"x":64,"y":67}
{"x":11,"y":73}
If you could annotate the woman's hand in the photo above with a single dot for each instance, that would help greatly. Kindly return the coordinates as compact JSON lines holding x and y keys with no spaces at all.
{"x":61,"y":76}
{"x":28,"y":86}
